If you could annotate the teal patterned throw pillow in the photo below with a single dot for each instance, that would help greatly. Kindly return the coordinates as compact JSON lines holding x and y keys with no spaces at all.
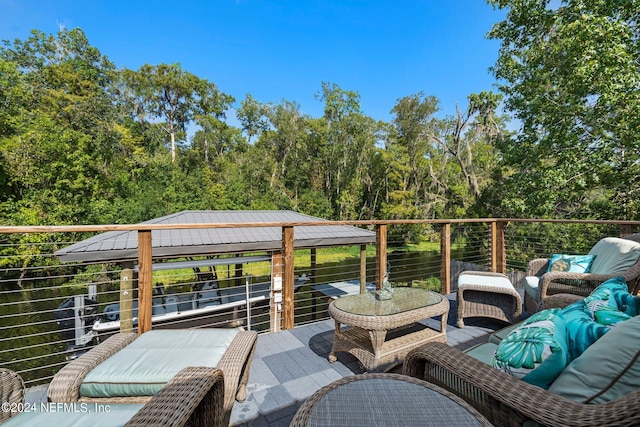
{"x":589,"y":319}
{"x":571,"y":263}
{"x":608,"y":302}
{"x":536,"y":352}
{"x":582,"y":329}
{"x":615,"y":292}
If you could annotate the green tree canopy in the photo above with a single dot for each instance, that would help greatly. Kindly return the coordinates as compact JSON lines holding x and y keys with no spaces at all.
{"x":166,"y":92}
{"x":571,"y":76}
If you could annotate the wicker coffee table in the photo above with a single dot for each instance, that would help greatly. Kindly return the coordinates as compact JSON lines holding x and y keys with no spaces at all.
{"x":386,"y":400}
{"x":381,"y":333}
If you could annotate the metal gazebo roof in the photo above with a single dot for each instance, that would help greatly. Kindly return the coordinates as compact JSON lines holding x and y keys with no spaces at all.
{"x":123,"y":245}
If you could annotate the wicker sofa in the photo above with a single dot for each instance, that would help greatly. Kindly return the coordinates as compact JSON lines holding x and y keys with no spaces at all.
{"x":575,"y":366}
{"x":194,"y":397}
{"x":508,"y":401}
{"x":136,"y":365}
{"x":613,"y":257}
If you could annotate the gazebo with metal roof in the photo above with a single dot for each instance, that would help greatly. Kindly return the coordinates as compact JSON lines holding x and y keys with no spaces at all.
{"x":247,"y":232}
{"x":120,"y":246}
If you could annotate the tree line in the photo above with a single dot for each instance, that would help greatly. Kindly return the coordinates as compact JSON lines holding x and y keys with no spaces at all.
{"x":85,"y":142}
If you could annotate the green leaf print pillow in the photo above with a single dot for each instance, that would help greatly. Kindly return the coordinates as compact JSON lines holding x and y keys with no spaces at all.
{"x":536,"y":352}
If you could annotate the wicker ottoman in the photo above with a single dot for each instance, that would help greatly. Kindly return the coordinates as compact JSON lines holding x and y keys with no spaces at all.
{"x":487,"y":294}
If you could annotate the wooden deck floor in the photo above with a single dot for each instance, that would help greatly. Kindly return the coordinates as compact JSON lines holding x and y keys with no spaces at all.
{"x":291,"y":365}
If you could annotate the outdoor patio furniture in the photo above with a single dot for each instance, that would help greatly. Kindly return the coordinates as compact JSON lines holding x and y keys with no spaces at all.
{"x":383,"y":400}
{"x":379,"y":333}
{"x":128,"y":368}
{"x":12,"y":393}
{"x":509,"y":401}
{"x":613,"y":257}
{"x":575,"y":366}
{"x":194,"y":397}
{"x":487,"y":294}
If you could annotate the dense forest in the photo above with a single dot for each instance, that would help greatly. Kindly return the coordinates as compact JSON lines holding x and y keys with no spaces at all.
{"x":85,"y":142}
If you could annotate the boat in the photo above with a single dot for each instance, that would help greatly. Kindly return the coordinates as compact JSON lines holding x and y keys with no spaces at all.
{"x":206,"y":305}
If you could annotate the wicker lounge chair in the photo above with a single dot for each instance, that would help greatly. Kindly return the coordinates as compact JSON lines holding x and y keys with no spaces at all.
{"x":194,"y":397}
{"x":577,"y":284}
{"x":508,"y":401}
{"x":234,"y":363}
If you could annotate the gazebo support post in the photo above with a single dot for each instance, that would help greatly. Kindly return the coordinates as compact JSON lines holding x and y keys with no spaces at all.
{"x":126,"y":299}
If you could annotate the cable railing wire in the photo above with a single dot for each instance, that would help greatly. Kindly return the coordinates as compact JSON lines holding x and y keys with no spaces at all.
{"x":31,"y":289}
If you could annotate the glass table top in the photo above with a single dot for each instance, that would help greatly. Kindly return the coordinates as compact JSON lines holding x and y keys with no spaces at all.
{"x":404,"y":299}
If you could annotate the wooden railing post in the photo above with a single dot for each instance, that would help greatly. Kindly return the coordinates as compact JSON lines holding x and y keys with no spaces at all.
{"x":501,"y":253}
{"x":445,"y":259}
{"x":288,"y":276}
{"x":381,"y":254}
{"x":363,"y":269}
{"x":145,"y":276}
{"x":493,"y":242}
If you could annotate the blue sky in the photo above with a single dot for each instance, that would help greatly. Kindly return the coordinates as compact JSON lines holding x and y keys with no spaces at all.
{"x":285,"y":49}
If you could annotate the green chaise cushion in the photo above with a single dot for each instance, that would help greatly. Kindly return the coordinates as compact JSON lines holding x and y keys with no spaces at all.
{"x":610,"y":366}
{"x":483,"y":352}
{"x":143,"y":367}
{"x":501,"y":334}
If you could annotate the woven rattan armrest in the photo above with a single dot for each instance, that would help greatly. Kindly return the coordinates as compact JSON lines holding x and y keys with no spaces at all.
{"x":12,"y":392}
{"x":508,"y":401}
{"x":194,"y":397}
{"x":560,"y":300}
{"x":564,"y":282}
{"x":65,"y":385}
{"x":235,"y":364}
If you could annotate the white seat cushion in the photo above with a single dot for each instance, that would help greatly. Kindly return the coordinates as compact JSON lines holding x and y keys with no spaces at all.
{"x":480,"y":280}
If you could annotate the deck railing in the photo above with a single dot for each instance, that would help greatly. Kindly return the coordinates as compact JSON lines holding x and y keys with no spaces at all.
{"x":33,"y":282}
